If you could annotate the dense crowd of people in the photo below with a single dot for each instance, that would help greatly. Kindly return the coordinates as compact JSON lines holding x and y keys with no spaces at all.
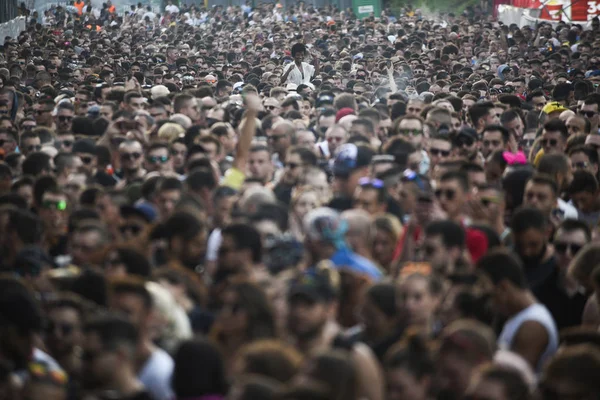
{"x":268,"y":202}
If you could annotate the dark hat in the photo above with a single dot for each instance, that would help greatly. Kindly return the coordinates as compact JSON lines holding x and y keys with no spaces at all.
{"x":469,"y":132}
{"x":86,"y":146}
{"x":317,"y":284}
{"x":351,"y":157}
{"x":144,"y":211}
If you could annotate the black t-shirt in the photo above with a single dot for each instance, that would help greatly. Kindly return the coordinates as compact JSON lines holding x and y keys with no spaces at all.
{"x":139,"y":396}
{"x":537,"y":275}
{"x":566,"y":310}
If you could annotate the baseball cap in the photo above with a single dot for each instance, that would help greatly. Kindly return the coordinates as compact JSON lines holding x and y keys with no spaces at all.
{"x":343,"y":112}
{"x":144,"y":211}
{"x":158,"y":91}
{"x":351,"y":157}
{"x":468,"y":132}
{"x":317,"y":284}
{"x":324,"y":99}
{"x":553,"y":107}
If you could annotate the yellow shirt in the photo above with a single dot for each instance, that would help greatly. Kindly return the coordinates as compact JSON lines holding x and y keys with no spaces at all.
{"x":234,"y":178}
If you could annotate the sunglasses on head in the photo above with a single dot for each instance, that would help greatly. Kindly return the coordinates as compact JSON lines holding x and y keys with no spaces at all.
{"x":369,"y":182}
{"x":130,"y":156}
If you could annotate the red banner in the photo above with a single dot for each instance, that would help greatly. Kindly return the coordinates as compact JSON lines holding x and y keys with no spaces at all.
{"x":584,"y":10}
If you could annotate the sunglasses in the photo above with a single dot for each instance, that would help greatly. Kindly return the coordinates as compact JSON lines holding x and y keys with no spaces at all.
{"x":562,"y":247}
{"x":134,"y":229}
{"x":581,"y":165}
{"x":64,"y":118}
{"x":588,"y":114}
{"x":410,"y":132}
{"x":488,"y":143}
{"x":437,"y":152}
{"x":130,"y":156}
{"x":178,"y":153}
{"x":549,"y":142}
{"x":157,"y":159}
{"x":63,"y":328}
{"x":60,"y":205}
{"x":486,"y":201}
{"x":34,"y":147}
{"x":292,"y":165}
{"x":447,"y":193}
{"x":368,"y":182}
{"x":86,"y":160}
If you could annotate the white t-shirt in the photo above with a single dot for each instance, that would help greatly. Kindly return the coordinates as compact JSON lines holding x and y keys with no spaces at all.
{"x":172,"y":9}
{"x":213,"y":244}
{"x":535,"y":312}
{"x":150,"y":15}
{"x":297,"y":77}
{"x":156,"y":375}
{"x":569,"y":211}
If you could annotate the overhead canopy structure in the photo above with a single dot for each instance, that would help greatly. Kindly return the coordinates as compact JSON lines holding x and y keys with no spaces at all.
{"x":528,"y":12}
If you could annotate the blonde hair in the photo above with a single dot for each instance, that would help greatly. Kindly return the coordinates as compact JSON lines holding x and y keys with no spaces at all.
{"x":170,"y":131}
{"x":389,"y":224}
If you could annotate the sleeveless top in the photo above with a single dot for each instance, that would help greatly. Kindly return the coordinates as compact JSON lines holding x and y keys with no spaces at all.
{"x":535,"y":312}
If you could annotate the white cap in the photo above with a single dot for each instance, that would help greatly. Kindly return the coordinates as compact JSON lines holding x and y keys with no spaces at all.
{"x":159,"y":91}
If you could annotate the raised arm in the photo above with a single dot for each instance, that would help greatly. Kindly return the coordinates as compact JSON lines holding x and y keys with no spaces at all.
{"x":247,"y":130}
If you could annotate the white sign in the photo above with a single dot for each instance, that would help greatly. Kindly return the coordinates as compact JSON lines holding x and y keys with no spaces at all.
{"x":365,"y":9}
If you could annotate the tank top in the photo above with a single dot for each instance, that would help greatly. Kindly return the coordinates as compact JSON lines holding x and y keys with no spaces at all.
{"x":535,"y":312}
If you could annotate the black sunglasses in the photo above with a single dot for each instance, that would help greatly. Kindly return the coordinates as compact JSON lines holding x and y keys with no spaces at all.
{"x":588,"y":114}
{"x":134,"y":229}
{"x":130,"y":156}
{"x":447,"y":193}
{"x":436,"y":152}
{"x":562,"y":247}
{"x":549,"y":142}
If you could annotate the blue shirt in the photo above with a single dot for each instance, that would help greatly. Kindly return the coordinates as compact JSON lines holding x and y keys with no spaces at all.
{"x":356,"y":263}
